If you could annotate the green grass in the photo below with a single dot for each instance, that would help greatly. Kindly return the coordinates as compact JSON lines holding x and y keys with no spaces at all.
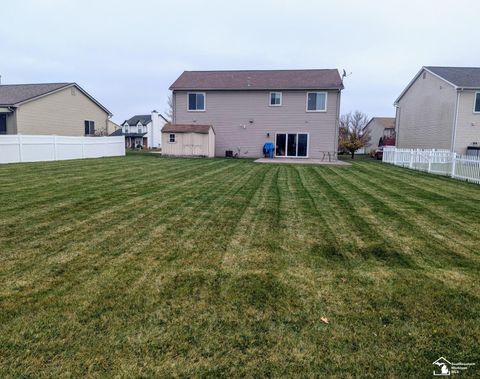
{"x":151,"y":267}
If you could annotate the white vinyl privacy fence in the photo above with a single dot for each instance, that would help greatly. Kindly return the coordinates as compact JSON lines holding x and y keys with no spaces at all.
{"x":441,"y":162}
{"x":38,"y":148}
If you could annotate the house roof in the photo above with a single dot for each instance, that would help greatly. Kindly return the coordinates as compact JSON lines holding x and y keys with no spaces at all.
{"x":11,"y":94}
{"x":144,"y":119}
{"x":259,"y":80}
{"x":119,"y":132}
{"x":463,"y":77}
{"x":17,"y":94}
{"x":186,"y":128}
{"x":458,"y":77}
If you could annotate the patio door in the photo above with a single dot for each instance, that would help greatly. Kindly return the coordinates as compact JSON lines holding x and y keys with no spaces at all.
{"x":291,"y":145}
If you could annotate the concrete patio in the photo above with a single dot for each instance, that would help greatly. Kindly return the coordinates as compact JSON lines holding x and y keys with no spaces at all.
{"x":302,"y":161}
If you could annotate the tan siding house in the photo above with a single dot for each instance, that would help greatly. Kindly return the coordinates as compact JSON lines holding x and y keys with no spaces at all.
{"x":56,"y":108}
{"x":379,"y":128}
{"x":437,"y":110}
{"x":296,"y":110}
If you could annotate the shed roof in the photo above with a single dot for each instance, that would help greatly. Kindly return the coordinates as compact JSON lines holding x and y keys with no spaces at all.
{"x":186,"y":128}
{"x":259,"y":80}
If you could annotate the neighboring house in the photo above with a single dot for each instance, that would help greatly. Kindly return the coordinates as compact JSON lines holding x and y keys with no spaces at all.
{"x":380,"y":128}
{"x":440,"y":109}
{"x":112,"y":126}
{"x":188,"y":140}
{"x":297,"y":110}
{"x":142,"y":130}
{"x":51,"y":108}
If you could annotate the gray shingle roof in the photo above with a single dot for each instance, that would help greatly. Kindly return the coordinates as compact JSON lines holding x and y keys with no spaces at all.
{"x":143,"y":118}
{"x":460,"y":76}
{"x":11,"y":94}
{"x":259,"y":80}
{"x":119,"y":132}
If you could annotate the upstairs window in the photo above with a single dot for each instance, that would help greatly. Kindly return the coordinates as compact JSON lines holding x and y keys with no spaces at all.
{"x":316,"y":101}
{"x":196,"y":101}
{"x":171,"y":138}
{"x":139,"y":130}
{"x":275,"y":99}
{"x":89,"y":128}
{"x":476,"y":107}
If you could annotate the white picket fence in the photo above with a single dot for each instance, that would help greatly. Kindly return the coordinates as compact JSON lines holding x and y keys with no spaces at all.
{"x":440,"y":162}
{"x":38,"y":148}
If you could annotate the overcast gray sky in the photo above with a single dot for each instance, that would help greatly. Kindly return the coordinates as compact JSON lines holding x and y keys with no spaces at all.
{"x":127,"y":53}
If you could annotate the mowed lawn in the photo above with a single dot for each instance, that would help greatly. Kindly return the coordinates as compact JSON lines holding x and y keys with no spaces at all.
{"x":146,"y":266}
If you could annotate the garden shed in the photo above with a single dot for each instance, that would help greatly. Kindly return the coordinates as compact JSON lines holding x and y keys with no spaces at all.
{"x":188,"y":140}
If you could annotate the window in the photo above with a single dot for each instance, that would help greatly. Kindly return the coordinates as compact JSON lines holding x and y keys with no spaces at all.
{"x":3,"y":123}
{"x":196,"y":101}
{"x":171,"y":138}
{"x":275,"y":99}
{"x":316,"y":101}
{"x":89,"y":128}
{"x":476,"y":108}
{"x":139,"y":129}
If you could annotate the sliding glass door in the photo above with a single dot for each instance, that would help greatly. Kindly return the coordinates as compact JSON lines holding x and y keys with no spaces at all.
{"x":293,"y":145}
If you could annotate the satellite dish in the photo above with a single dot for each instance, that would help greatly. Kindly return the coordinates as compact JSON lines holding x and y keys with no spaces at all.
{"x":344,"y":75}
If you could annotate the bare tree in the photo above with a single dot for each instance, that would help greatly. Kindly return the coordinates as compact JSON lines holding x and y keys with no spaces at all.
{"x":169,"y":110}
{"x":352,"y":135}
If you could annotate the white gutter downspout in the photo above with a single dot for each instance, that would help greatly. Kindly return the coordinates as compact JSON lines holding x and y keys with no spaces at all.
{"x":455,"y":120}
{"x":397,"y":123}
{"x":338,"y":124}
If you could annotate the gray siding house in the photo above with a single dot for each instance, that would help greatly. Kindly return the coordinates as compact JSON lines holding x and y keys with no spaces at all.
{"x":297,"y":110}
{"x":440,"y":109}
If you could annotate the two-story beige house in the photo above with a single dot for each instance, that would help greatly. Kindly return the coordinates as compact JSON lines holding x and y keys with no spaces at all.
{"x":51,"y":108}
{"x":440,"y":109}
{"x":297,"y":110}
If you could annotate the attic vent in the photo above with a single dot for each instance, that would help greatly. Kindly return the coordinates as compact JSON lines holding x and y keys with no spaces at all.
{"x":424,"y":75}
{"x":72,"y":90}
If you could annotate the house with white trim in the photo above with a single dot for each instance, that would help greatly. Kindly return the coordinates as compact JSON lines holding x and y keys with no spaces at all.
{"x":296,"y":110}
{"x":51,"y":108}
{"x":440,"y":109}
{"x":142,"y":131}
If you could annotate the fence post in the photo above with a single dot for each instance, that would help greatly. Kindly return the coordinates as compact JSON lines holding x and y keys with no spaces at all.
{"x":430,"y":155}
{"x":411,"y":158}
{"x":83,"y":148}
{"x":395,"y":156}
{"x":454,"y":161}
{"x":20,"y":147}
{"x":55,"y":147}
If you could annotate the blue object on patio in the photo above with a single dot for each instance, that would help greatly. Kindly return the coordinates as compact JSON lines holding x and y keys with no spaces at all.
{"x":268,"y":149}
